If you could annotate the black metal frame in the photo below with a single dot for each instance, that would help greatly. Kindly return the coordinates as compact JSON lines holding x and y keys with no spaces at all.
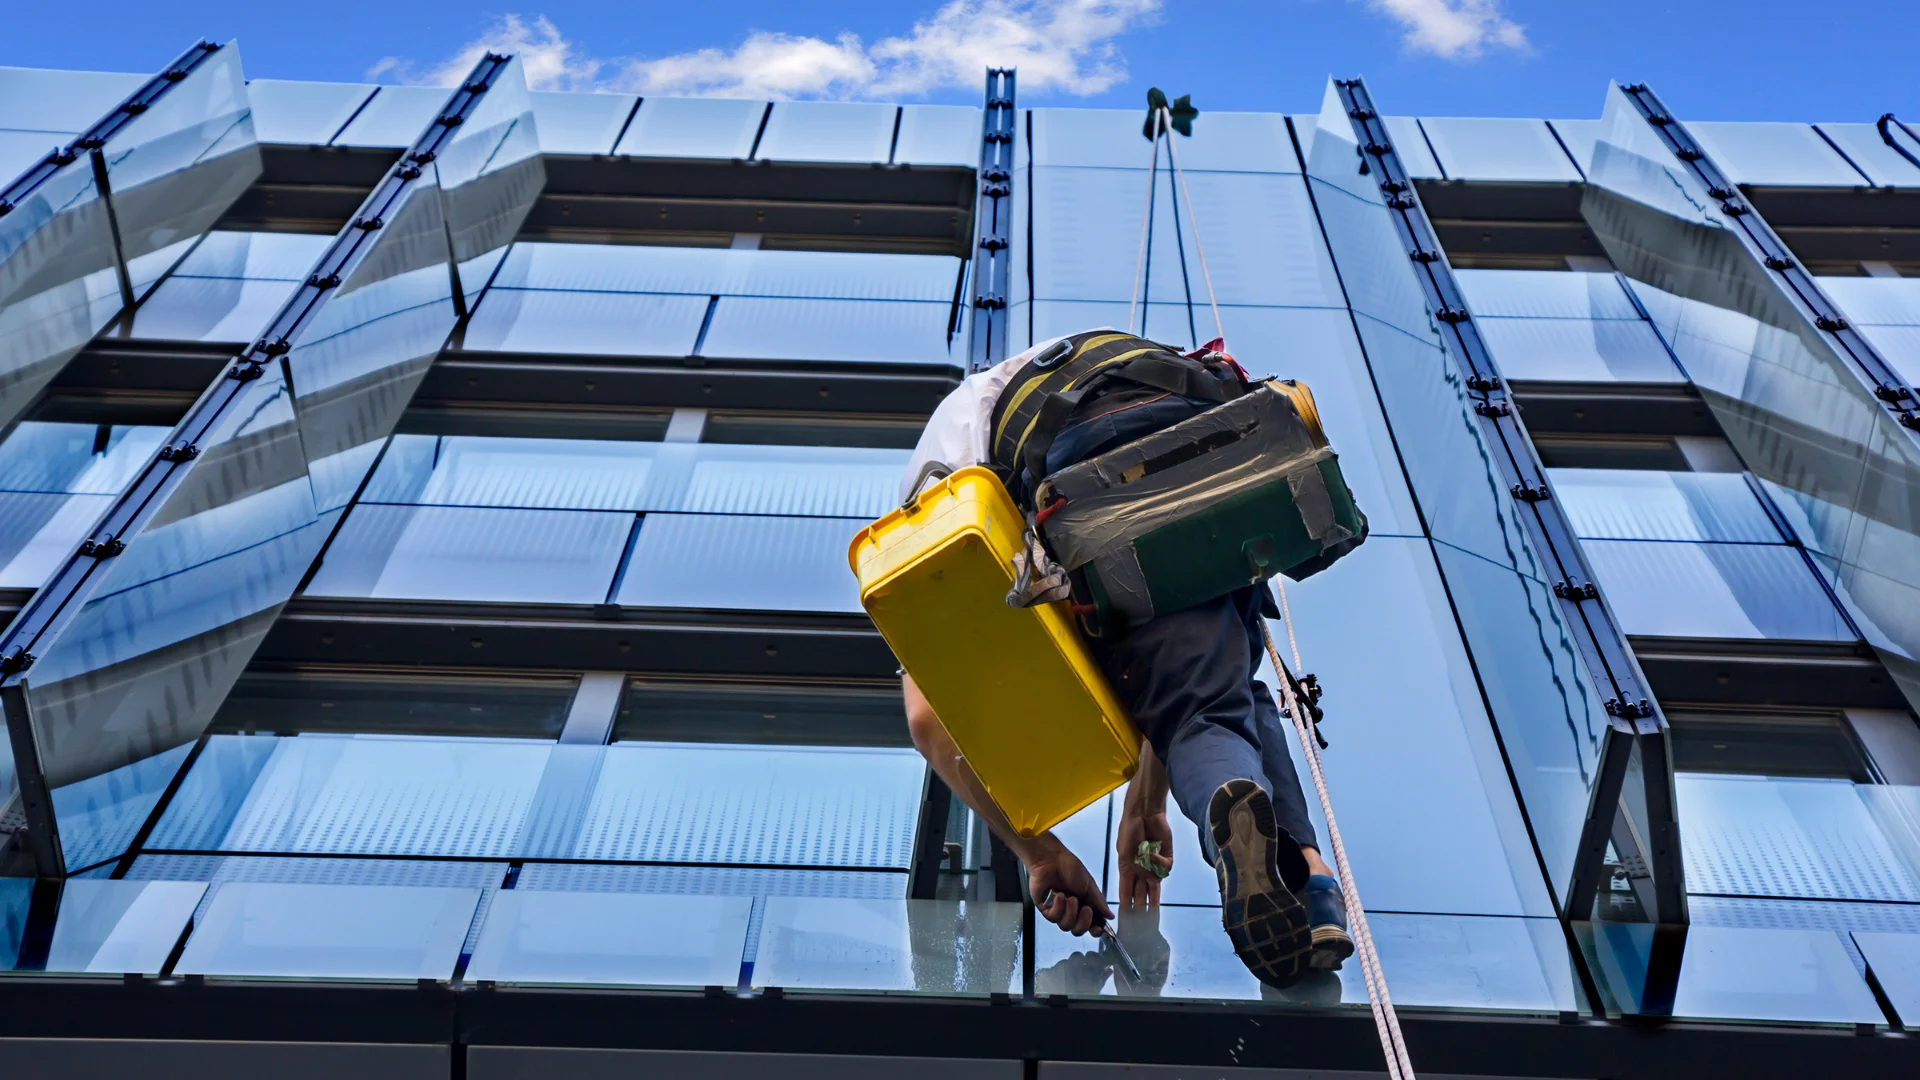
{"x":993,"y":226}
{"x":67,"y":589}
{"x":1880,"y":378}
{"x":1635,"y":720}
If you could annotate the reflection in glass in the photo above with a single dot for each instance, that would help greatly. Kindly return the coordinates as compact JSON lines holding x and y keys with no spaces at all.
{"x":938,"y":135}
{"x":533,"y":936}
{"x":1666,"y":589}
{"x":288,"y":703}
{"x":847,"y":131}
{"x":462,"y":553}
{"x":964,"y":947}
{"x":1644,"y":504}
{"x":309,"y":113}
{"x":1110,"y":138}
{"x":755,"y":563}
{"x":393,"y":117}
{"x":1811,"y":839}
{"x":713,"y":880}
{"x":99,"y":926}
{"x":1895,"y":962}
{"x":604,"y":324}
{"x":873,"y":331}
{"x":630,"y":268}
{"x":1545,"y":294}
{"x":693,"y":128}
{"x":1774,"y":153}
{"x":1800,"y":976}
{"x":580,"y":123}
{"x":1489,"y":148}
{"x":209,"y":309}
{"x":1862,"y":144}
{"x":330,"y":931}
{"x":47,"y":99}
{"x":737,"y":712}
{"x":1579,"y":350}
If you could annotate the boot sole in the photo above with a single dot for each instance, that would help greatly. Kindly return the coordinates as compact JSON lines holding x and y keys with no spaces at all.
{"x":1331,"y":948}
{"x":1264,"y":920}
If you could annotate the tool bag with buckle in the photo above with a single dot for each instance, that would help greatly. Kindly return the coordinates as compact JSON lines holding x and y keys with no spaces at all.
{"x":1245,"y":490}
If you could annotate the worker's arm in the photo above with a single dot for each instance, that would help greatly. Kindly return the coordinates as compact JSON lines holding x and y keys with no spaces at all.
{"x":1050,"y":866}
{"x":1143,"y":817}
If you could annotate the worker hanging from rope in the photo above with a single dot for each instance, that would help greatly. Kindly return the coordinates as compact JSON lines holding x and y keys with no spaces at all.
{"x":1138,"y":500}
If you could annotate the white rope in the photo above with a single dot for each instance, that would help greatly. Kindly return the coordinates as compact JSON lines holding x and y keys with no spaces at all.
{"x":1219,"y":328}
{"x":1146,"y":221}
{"x":1392,"y":1043}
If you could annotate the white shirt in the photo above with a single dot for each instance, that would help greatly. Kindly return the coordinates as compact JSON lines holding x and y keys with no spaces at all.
{"x":957,"y":433}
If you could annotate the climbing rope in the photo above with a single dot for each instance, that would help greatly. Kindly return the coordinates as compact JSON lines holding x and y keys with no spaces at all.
{"x":1392,"y":1043}
{"x":1161,"y":122}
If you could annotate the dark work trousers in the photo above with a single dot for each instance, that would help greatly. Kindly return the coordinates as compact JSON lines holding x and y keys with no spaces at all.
{"x":1187,"y":677}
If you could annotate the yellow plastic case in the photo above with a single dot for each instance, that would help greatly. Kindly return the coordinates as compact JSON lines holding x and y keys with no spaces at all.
{"x":1016,"y":688}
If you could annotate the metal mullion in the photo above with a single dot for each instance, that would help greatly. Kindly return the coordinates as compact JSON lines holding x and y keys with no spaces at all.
{"x":993,"y":225}
{"x":1598,"y":639}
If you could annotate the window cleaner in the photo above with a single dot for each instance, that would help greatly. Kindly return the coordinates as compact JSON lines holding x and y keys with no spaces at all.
{"x":1085,"y":535}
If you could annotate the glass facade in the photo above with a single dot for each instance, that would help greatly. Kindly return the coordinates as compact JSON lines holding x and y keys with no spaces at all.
{"x":497,"y":631}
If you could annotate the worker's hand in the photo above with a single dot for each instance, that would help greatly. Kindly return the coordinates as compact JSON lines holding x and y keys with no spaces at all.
{"x":1137,"y":886}
{"x":1076,"y":895}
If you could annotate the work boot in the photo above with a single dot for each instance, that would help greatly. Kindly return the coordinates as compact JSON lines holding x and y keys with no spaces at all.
{"x":1327,"y":912}
{"x":1265,"y":921}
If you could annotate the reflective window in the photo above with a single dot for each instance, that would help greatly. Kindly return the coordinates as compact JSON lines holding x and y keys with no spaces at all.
{"x":209,"y":309}
{"x":330,"y":931}
{"x":693,"y":128}
{"x":714,"y":880}
{"x":580,"y":123}
{"x":56,"y":480}
{"x":1876,"y":300}
{"x":1579,"y":350}
{"x":939,"y":135}
{"x":1416,"y":155}
{"x":103,"y":927}
{"x":1862,"y":145}
{"x":756,"y":563}
{"x":395,"y":116}
{"x":1486,"y":148}
{"x":260,"y":256}
{"x":1545,"y":294}
{"x":459,"y":553}
{"x":1899,"y":345}
{"x":309,"y":113}
{"x":1808,"y":839}
{"x":606,"y":324}
{"x":21,"y":150}
{"x":1774,"y":153}
{"x":1113,"y":138}
{"x":535,"y":936}
{"x":1802,"y":976}
{"x":42,"y":99}
{"x":292,"y":702}
{"x":706,"y":271}
{"x":1895,"y":962}
{"x":1579,"y":137}
{"x":969,"y":947}
{"x":828,"y":131}
{"x":888,"y":332}
{"x":1639,"y":504}
{"x":1666,"y":589}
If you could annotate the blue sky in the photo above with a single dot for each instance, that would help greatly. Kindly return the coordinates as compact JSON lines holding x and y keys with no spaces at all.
{"x":1720,"y":60}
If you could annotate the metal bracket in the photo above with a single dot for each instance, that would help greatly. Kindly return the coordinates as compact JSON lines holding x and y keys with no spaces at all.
{"x":1567,"y":590}
{"x":102,"y":549}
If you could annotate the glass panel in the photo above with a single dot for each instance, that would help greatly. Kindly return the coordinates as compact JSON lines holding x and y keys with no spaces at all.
{"x":1262,"y":241}
{"x":828,"y":131}
{"x":1773,"y":153}
{"x":967,"y":947}
{"x":1579,"y":350}
{"x":1113,"y":138}
{"x":175,"y":168}
{"x":938,"y":135}
{"x":1545,"y":294}
{"x":330,"y":931}
{"x":754,"y":805}
{"x":1803,"y":976}
{"x":395,"y":117}
{"x":288,"y":703}
{"x":580,"y":123}
{"x":1767,"y":744}
{"x":1485,"y":148}
{"x":788,"y":714}
{"x":1416,"y":154}
{"x":1899,"y":346}
{"x":38,"y":530}
{"x":606,"y":324}
{"x":209,"y":309}
{"x":1895,"y":962}
{"x":1893,"y":301}
{"x":309,"y":113}
{"x":1814,"y":839}
{"x":713,"y":880}
{"x":490,"y":172}
{"x":754,"y":563}
{"x":366,"y":795}
{"x":535,"y":936}
{"x":42,"y":99}
{"x":1666,"y":589}
{"x":1436,"y":961}
{"x":693,"y":128}
{"x":260,"y":256}
{"x":21,"y":150}
{"x":1862,"y":144}
{"x":491,"y":555}
{"x":100,"y":926}
{"x":80,"y":458}
{"x":814,"y":481}
{"x":1579,"y":137}
{"x":1640,"y":504}
{"x":629,"y":268}
{"x":757,"y":328}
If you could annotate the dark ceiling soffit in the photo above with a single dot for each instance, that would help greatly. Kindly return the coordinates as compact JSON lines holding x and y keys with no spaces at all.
{"x":1194,"y":1033}
{"x":519,"y":379}
{"x":1637,"y":728}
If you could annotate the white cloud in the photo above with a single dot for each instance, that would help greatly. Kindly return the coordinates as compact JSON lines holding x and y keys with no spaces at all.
{"x":1058,"y":45}
{"x":1454,"y":29}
